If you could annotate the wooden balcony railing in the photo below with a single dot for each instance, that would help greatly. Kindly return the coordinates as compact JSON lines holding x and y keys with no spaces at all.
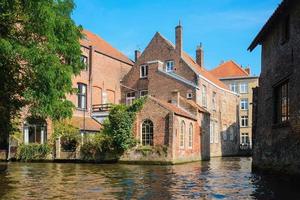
{"x":101,"y":107}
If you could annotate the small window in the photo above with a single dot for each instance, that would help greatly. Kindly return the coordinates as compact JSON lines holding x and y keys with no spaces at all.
{"x":281,"y":102}
{"x":82,"y":96}
{"x":191,"y":130}
{"x":84,"y":60}
{"x":144,"y":71}
{"x":216,"y":132}
{"x":211,"y":132}
{"x":245,"y":139}
{"x":204,"y":96}
{"x":182,"y":135}
{"x":170,"y":66}
{"x":189,"y":95}
{"x":143,"y":93}
{"x":244,"y":121}
{"x":214,"y":106}
{"x":147,"y":133}
{"x":244,"y":88}
{"x":130,"y":96}
{"x":244,"y":104}
{"x":234,"y":87}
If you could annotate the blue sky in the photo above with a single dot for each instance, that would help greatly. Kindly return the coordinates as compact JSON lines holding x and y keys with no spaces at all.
{"x":224,"y":27}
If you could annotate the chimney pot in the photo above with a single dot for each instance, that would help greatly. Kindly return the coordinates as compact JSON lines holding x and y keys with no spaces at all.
{"x":200,"y":55}
{"x":137,"y":54}
{"x":247,"y":69}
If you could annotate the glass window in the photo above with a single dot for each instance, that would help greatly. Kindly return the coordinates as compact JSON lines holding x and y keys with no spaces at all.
{"x":244,"y":88}
{"x":204,"y":96}
{"x":144,"y":71}
{"x":170,"y":66}
{"x":84,"y":59}
{"x":234,"y":87}
{"x":182,"y":134}
{"x":245,"y":138}
{"x":216,"y":131}
{"x":244,"y":104}
{"x":214,"y":100}
{"x":281,"y":103}
{"x":130,"y":96}
{"x":82,"y":96}
{"x":244,"y":121}
{"x":191,"y":130}
{"x":35,"y":133}
{"x":147,"y":133}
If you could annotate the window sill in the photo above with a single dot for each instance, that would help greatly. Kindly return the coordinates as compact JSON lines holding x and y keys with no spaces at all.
{"x":146,"y":77}
{"x":281,"y":125}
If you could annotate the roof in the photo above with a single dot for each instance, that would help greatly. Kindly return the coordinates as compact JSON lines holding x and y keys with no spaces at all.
{"x":90,"y":124}
{"x":229,"y":69}
{"x":197,"y":68}
{"x":173,"y":108}
{"x":194,"y":104}
{"x":272,"y":21}
{"x":103,"y":47}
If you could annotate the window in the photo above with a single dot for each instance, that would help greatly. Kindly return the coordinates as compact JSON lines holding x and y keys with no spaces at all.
{"x":84,"y":60}
{"x":234,"y":87}
{"x":211,"y":132}
{"x":169,"y":66}
{"x":245,"y":138}
{"x":130,"y":96}
{"x":82,"y":93}
{"x":35,"y":132}
{"x":147,"y":133}
{"x":143,"y":93}
{"x":281,"y":103}
{"x":244,"y":121}
{"x":144,"y":71}
{"x":285,"y":30}
{"x":214,"y":100}
{"x":244,"y":88}
{"x":204,"y":97}
{"x":216,"y":132}
{"x":189,"y":95}
{"x":191,"y":136}
{"x":244,"y":104}
{"x":182,"y":135}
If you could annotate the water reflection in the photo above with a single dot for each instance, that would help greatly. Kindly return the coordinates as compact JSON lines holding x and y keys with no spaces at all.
{"x":222,"y":178}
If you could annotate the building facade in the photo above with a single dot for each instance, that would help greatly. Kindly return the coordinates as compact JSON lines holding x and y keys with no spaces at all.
{"x":180,"y":84}
{"x":240,"y":81}
{"x":276,"y":129}
{"x":98,"y":85}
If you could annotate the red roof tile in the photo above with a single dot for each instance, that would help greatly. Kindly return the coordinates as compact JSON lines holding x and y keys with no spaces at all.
{"x":103,"y":47}
{"x":229,"y":69}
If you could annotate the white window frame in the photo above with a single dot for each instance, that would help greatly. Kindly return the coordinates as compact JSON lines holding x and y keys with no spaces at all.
{"x":244,"y":104}
{"x":82,"y":96}
{"x":214,"y":101}
{"x":130,"y":98}
{"x":191,"y":136}
{"x":244,"y":136}
{"x":244,"y":88}
{"x":182,"y":135}
{"x":170,"y":65}
{"x":143,"y":71}
{"x":244,"y":121}
{"x":234,"y":87}
{"x":84,"y":59}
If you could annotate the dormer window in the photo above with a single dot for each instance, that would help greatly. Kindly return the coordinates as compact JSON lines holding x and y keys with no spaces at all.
{"x":143,"y":71}
{"x":170,"y":66}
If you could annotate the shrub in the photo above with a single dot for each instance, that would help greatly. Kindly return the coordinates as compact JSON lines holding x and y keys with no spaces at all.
{"x":120,"y":123}
{"x":95,"y":146}
{"x":69,"y":135}
{"x":30,"y":152}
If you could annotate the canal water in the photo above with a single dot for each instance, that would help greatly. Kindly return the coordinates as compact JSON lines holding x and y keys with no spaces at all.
{"x":220,"y":178}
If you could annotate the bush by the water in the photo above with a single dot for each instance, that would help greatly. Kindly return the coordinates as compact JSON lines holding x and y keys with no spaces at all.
{"x":96,"y":145}
{"x":68,"y":134}
{"x":30,"y":152}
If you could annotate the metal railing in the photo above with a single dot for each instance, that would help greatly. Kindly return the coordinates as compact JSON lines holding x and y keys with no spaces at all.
{"x":101,"y":107}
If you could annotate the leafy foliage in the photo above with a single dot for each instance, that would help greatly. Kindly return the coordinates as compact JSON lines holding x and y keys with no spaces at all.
{"x":120,"y":123}
{"x":33,"y":151}
{"x":96,"y":145}
{"x":39,"y":54}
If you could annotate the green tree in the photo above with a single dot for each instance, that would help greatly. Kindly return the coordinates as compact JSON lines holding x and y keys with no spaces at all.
{"x":39,"y":54}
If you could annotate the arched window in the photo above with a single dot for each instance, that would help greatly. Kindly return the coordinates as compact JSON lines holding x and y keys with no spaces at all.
{"x":182,"y":134}
{"x":147,"y":133}
{"x":191,"y":130}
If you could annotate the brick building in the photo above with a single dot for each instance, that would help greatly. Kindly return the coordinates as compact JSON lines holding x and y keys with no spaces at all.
{"x":276,"y":125}
{"x":98,"y":85}
{"x":189,"y":110}
{"x":240,"y":81}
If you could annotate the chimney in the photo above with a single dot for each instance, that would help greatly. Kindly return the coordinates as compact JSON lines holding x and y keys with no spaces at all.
{"x":175,"y":97}
{"x":247,"y":69}
{"x":178,"y":38}
{"x":200,"y":55}
{"x":137,"y":54}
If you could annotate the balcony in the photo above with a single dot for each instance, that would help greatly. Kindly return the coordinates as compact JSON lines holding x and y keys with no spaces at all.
{"x":100,"y":111}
